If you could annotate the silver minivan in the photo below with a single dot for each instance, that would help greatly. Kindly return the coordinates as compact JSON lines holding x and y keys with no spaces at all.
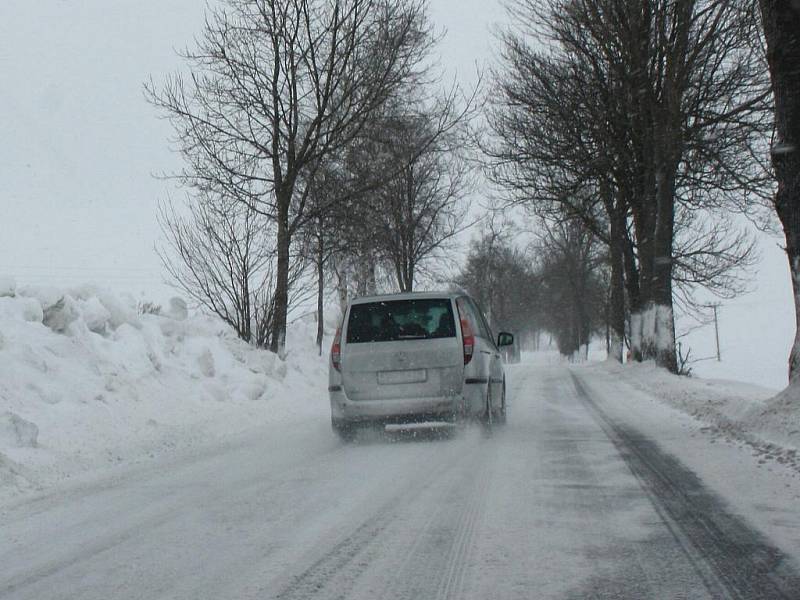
{"x":415,"y":357}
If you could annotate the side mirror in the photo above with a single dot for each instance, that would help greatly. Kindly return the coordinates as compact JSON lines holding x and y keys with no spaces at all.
{"x":505,"y":339}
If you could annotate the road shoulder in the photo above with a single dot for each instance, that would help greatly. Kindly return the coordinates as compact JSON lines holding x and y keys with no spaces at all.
{"x":765,"y":493}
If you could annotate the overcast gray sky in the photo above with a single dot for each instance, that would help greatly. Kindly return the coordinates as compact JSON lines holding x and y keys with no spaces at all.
{"x":80,"y":144}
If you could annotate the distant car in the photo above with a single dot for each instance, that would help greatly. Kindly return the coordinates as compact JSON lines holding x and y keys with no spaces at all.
{"x":415,"y":357}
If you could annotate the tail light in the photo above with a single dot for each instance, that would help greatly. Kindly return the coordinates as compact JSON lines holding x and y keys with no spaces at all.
{"x":336,"y":350}
{"x":468,"y":339}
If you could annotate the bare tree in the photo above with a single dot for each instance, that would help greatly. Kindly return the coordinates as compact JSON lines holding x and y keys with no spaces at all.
{"x":781,"y":23}
{"x":423,"y":202}
{"x":323,"y":232}
{"x":712,"y":253}
{"x":635,"y":112}
{"x":573,"y":287}
{"x":221,"y":253}
{"x":275,"y":87}
{"x":401,"y":192}
{"x":502,"y":279}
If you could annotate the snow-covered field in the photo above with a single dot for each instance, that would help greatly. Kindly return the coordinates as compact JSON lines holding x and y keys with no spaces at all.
{"x":87,"y":383}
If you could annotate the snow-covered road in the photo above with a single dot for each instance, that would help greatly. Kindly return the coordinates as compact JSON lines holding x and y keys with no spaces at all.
{"x":576,"y":497}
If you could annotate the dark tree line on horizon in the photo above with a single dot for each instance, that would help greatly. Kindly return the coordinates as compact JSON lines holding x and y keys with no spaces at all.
{"x":555,"y":286}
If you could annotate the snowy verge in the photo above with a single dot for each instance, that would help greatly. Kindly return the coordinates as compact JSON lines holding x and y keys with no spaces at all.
{"x":87,"y":383}
{"x":733,"y":410}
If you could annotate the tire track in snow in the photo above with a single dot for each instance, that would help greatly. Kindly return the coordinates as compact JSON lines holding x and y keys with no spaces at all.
{"x":123,"y":521}
{"x":436,"y":564}
{"x":88,"y":552}
{"x":453,"y":582}
{"x":418,"y":545}
{"x":337,"y":563}
{"x":733,"y":560}
{"x":338,"y":569}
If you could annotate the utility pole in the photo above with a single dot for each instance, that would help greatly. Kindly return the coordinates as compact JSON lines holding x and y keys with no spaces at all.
{"x":714,"y":307}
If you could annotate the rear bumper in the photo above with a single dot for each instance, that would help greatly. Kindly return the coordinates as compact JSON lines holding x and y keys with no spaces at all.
{"x":406,"y":410}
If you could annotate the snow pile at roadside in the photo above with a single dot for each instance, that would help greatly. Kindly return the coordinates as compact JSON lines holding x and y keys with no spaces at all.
{"x":87,"y":382}
{"x":777,"y":419}
{"x":743,"y":412}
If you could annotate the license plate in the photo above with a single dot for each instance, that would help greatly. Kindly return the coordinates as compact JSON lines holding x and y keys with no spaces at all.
{"x":410,"y":376}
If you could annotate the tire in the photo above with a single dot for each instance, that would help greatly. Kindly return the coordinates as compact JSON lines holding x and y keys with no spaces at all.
{"x":487,"y":420}
{"x":501,"y":414}
{"x":346,"y":431}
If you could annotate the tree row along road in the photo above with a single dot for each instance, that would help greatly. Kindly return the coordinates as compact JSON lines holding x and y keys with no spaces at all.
{"x":564,"y":502}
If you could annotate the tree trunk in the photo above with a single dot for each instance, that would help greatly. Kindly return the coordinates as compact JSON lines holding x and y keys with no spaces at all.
{"x":320,"y":290}
{"x":663,"y":332}
{"x":616,"y":316}
{"x":616,"y":310}
{"x":657,"y":340}
{"x":781,"y":21}
{"x":278,"y":337}
{"x":410,"y":276}
{"x":640,"y":300}
{"x":644,"y":225}
{"x":342,"y":288}
{"x":246,"y":307}
{"x":372,"y":284}
{"x":365,"y":285}
{"x":632,"y":289}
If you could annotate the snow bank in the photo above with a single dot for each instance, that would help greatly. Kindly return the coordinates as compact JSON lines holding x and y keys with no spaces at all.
{"x":86,"y":383}
{"x":8,"y":287}
{"x":17,"y":432}
{"x":739,"y":411}
{"x":777,"y":419}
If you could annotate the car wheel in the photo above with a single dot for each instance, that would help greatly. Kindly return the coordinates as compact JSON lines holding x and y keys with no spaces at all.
{"x":501,"y":415}
{"x":346,"y":431}
{"x":488,"y":414}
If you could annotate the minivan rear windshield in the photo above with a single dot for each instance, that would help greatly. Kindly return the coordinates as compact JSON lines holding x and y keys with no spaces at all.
{"x":395,"y":320}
